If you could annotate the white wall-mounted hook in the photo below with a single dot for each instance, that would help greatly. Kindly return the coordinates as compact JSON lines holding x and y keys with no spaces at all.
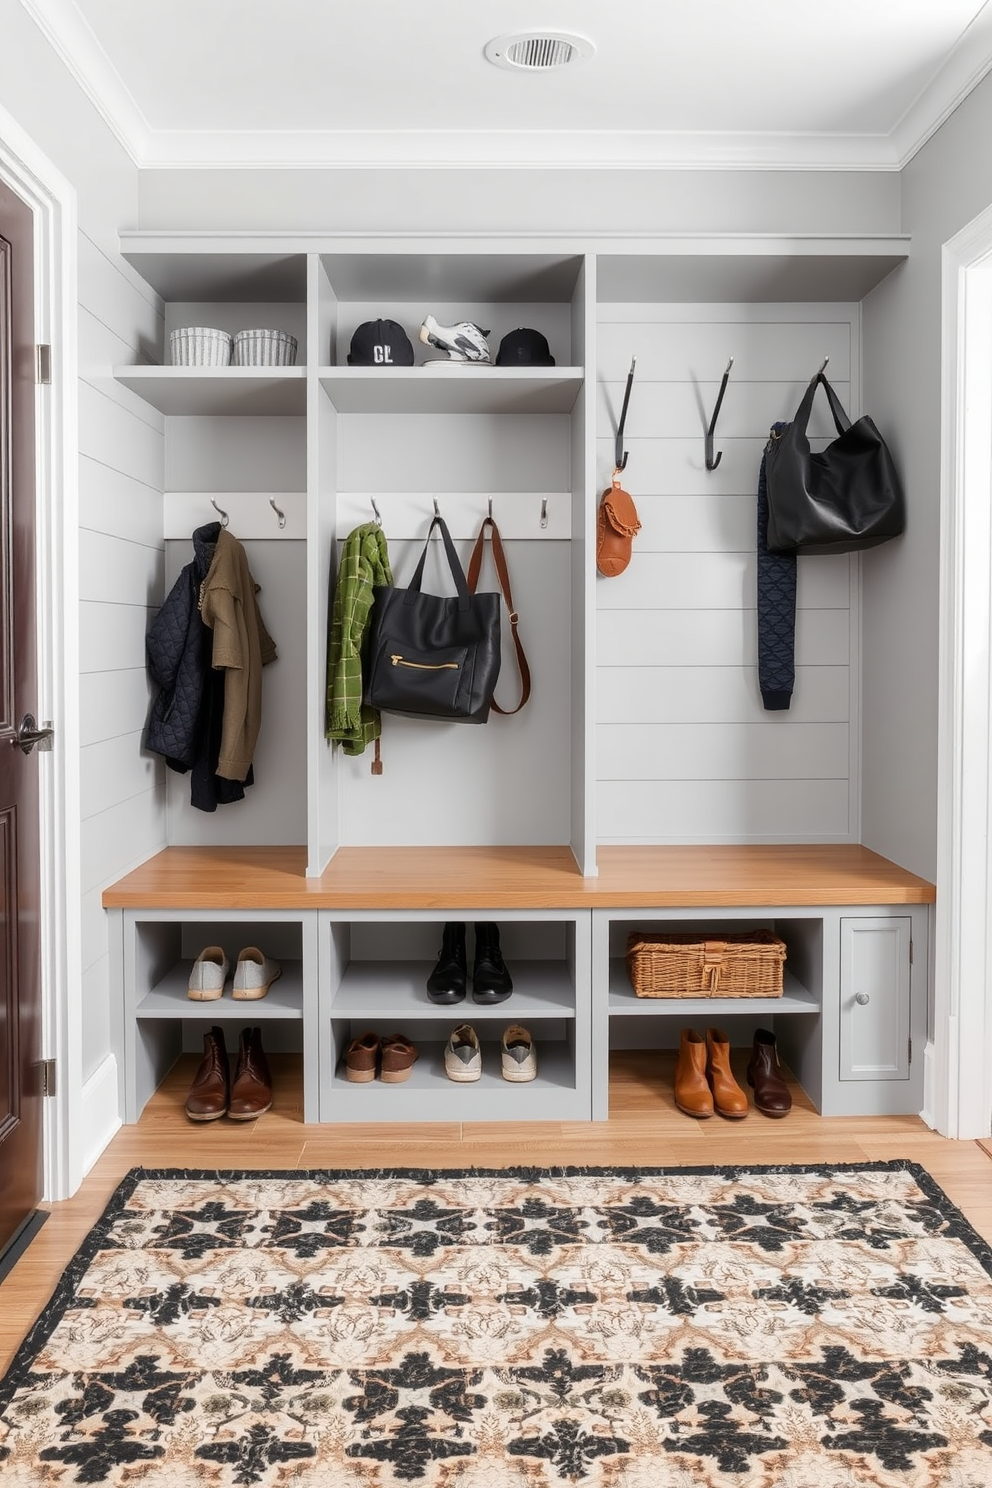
{"x":224,"y":518}
{"x":278,"y":511}
{"x":375,"y":512}
{"x":544,"y":511}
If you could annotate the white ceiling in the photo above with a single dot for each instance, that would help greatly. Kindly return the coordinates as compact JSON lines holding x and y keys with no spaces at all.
{"x":810,"y":83}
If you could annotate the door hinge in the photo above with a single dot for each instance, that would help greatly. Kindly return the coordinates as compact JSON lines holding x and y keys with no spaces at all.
{"x":910,"y":952}
{"x":43,"y":363}
{"x":46,"y":1076}
{"x":910,"y":1051}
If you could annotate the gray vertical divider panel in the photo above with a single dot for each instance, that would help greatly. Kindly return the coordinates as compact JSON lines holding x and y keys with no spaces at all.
{"x":311,"y":1016}
{"x":583,"y":476}
{"x":599,"y":979}
{"x":323,"y":767}
{"x":121,"y":1024}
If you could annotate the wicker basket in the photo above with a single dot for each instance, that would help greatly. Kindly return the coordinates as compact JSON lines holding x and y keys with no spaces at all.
{"x":741,"y":964}
{"x":258,"y":348}
{"x":200,"y":346}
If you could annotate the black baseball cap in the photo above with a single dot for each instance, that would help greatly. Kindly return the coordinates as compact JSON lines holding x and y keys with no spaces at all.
{"x":380,"y":343}
{"x":524,"y":348}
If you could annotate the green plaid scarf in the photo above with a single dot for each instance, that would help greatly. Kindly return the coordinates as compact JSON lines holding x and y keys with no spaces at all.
{"x":364,"y":563}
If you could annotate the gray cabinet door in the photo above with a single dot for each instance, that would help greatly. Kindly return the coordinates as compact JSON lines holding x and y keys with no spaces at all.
{"x":874,"y":997}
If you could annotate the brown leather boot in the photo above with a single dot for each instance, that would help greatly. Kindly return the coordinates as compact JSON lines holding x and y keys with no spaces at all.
{"x":728,"y":1097}
{"x":209,"y":1094}
{"x":692,"y":1093}
{"x":251,"y":1093}
{"x":771,"y":1094}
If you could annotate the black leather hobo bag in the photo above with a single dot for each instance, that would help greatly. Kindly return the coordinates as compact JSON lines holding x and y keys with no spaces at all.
{"x":847,"y":497}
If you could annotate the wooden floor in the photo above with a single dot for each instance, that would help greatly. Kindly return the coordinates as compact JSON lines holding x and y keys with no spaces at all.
{"x":644,"y":1129}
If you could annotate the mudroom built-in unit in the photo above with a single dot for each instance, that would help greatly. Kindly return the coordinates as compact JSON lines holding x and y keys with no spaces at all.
{"x":645,"y":734}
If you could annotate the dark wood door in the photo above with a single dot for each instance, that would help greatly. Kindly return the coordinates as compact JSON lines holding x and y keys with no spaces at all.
{"x":21,"y":1172}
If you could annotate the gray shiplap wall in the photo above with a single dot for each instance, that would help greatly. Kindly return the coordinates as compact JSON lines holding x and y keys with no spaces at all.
{"x":685,"y":751}
{"x":121,"y":576}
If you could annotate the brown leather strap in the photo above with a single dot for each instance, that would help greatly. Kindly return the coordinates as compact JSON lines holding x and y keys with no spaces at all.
{"x":503,"y":575}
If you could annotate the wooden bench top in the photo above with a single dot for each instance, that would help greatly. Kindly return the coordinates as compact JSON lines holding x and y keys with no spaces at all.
{"x":448,"y":878}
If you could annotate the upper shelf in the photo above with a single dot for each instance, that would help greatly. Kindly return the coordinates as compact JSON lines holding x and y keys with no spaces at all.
{"x":452,"y":389}
{"x":212,"y":390}
{"x":753,"y":270}
{"x":221,"y":276}
{"x":677,"y":267}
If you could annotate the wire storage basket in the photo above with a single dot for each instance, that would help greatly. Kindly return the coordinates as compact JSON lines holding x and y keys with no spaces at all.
{"x":747,"y":963}
{"x":261,"y":348}
{"x":200,"y":346}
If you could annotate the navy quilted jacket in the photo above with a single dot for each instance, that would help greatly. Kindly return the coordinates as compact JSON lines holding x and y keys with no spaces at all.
{"x":178,"y":649}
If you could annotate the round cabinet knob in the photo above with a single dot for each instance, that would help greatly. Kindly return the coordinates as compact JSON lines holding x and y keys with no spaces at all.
{"x":862,"y":999}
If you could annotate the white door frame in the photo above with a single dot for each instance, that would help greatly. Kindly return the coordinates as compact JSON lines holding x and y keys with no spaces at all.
{"x":28,"y":172}
{"x":959,"y":1101}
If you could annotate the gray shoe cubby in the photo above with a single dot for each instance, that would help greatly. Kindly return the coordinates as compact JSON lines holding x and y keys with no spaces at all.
{"x":374,"y":969}
{"x":158,"y":1021}
{"x":852,"y":1007}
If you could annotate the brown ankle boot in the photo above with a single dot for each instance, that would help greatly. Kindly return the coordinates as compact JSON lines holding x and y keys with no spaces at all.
{"x":692,"y":1093}
{"x":210,"y":1091}
{"x":771,"y":1094}
{"x":728,"y":1097}
{"x":251,"y":1093}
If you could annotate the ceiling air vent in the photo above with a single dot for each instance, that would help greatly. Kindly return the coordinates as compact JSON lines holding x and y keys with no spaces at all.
{"x":538,"y":51}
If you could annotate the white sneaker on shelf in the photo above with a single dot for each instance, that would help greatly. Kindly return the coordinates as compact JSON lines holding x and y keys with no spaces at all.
{"x":518,"y":1055}
{"x":464,"y":342}
{"x":254,"y":974}
{"x":209,"y":973}
{"x":462,"y":1055}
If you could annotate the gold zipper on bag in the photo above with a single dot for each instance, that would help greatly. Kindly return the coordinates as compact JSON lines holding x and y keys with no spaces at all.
{"x":424,"y":666}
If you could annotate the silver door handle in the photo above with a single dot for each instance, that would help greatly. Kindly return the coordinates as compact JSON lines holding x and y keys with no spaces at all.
{"x":862,"y":999}
{"x":29,"y":734}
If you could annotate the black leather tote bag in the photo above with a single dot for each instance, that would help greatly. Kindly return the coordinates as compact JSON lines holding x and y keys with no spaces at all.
{"x":430,"y":656}
{"x":846,"y":498}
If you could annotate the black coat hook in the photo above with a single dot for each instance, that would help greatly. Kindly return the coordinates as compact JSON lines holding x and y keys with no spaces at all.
{"x":620,"y":454}
{"x":712,"y":461}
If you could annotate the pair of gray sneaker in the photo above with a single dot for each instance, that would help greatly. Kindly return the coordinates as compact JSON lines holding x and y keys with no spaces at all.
{"x":463,"y":1055}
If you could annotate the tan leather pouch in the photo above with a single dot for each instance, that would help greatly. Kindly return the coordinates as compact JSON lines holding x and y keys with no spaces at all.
{"x":617,"y":524}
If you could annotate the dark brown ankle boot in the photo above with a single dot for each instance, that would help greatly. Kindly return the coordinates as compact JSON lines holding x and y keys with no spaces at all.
{"x":209,"y":1094}
{"x":771,"y":1094}
{"x":251,"y":1093}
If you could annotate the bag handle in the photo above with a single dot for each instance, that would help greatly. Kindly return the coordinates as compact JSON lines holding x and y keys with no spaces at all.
{"x":503,"y":575}
{"x":841,"y":420}
{"x":457,"y":572}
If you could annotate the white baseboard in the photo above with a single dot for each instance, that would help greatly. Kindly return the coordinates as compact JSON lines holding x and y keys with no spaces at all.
{"x":929,"y":1074}
{"x":100,"y":1114}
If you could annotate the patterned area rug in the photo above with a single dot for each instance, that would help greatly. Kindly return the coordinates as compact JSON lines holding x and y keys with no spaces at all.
{"x":802,"y":1327}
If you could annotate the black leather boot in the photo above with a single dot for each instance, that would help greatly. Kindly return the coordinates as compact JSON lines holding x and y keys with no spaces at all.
{"x":491,"y":982}
{"x":447,"y":982}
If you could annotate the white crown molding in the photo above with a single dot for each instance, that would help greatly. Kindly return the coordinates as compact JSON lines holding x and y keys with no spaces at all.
{"x":65,"y":30}
{"x":963,"y":69}
{"x":175,"y":149}
{"x":515,"y":149}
